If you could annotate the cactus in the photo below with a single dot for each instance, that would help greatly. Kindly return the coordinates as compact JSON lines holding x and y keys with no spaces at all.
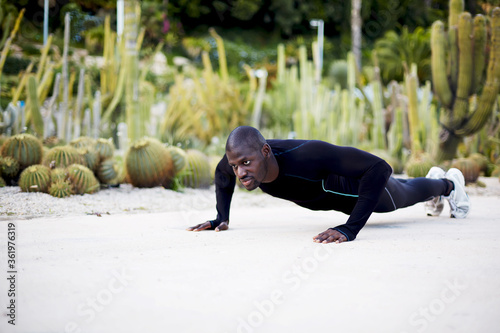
{"x":469,"y":167}
{"x":2,"y":182}
{"x":108,"y":172}
{"x":35,"y":178}
{"x":104,"y":148}
{"x":34,"y":104}
{"x":6,"y":46}
{"x":61,"y":189}
{"x":25,"y":148}
{"x":83,"y":141}
{"x":460,"y":77}
{"x":89,"y":157}
{"x":197,"y":170}
{"x":62,"y":156}
{"x":148,"y":163}
{"x":481,"y":160}
{"x":82,"y":179}
{"x":178,"y":156}
{"x":59,"y":174}
{"x":418,"y":165}
{"x":9,"y":166}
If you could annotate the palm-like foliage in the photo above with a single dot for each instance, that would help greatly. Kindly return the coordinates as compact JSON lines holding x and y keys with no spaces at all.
{"x":398,"y":51}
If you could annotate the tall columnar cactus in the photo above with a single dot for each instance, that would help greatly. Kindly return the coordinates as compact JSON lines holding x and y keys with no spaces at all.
{"x":458,"y":64}
{"x":35,"y":178}
{"x":34,"y":103}
{"x":148,"y":163}
{"x":25,"y":148}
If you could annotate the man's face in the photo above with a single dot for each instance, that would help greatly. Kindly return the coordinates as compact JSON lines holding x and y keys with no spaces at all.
{"x":249,"y":165}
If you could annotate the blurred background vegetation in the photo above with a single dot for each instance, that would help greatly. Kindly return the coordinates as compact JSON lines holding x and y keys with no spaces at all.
{"x":187,"y":72}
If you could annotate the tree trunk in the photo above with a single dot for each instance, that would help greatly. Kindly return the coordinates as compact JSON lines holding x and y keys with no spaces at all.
{"x":356,"y":24}
{"x":448,"y":145}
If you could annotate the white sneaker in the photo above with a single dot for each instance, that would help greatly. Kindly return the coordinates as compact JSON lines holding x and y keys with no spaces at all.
{"x":458,"y":198}
{"x":435,"y":206}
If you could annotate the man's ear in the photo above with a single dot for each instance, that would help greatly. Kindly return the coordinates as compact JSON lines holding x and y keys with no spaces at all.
{"x":266,"y":150}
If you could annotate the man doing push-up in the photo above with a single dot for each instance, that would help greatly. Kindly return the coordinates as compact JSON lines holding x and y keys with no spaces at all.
{"x":321,"y":176}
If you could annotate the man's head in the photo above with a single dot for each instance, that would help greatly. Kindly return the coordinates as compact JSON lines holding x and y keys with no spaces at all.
{"x":248,"y":154}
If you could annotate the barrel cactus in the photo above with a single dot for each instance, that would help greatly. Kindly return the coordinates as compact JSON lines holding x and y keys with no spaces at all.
{"x":25,"y":148}
{"x":83,"y":141}
{"x":35,"y":178}
{"x":108,"y":172}
{"x":418,"y":166}
{"x":61,"y":189}
{"x":62,"y":156}
{"x":178,"y":157}
{"x":148,"y":164}
{"x":59,"y":174}
{"x":82,"y":179}
{"x":470,"y":169}
{"x":481,"y":160}
{"x":89,"y":157}
{"x":495,"y":172}
{"x":197,"y":173}
{"x":104,"y":148}
{"x":9,"y":167}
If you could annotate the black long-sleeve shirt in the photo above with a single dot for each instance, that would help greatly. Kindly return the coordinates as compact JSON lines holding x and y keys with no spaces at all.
{"x":319,"y":176}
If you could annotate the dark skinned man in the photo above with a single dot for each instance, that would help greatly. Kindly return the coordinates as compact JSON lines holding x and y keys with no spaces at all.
{"x":321,"y":176}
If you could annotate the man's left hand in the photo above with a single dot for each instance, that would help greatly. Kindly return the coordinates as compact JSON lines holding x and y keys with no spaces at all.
{"x":330,"y":236}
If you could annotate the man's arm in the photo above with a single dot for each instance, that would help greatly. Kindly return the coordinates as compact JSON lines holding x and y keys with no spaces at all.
{"x":225,"y":181}
{"x":373,"y":174}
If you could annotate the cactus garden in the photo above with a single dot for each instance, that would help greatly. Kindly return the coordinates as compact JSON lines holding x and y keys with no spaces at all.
{"x":94,"y":106}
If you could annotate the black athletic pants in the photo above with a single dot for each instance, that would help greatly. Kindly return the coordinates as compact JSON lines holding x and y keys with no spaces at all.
{"x":401,"y":193}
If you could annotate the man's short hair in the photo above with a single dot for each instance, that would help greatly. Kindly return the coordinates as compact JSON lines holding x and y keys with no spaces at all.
{"x":245,"y":136}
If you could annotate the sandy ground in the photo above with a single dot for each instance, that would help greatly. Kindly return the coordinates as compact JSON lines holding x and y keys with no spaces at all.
{"x":142,"y":272}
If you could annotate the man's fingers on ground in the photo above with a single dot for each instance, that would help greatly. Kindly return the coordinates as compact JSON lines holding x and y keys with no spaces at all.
{"x":222,"y":226}
{"x":199,"y":227}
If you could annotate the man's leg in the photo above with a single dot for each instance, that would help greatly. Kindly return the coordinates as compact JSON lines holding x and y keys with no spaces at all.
{"x":400,"y":193}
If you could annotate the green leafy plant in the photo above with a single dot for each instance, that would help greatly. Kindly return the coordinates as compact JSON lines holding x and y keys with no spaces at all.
{"x":397,"y":51}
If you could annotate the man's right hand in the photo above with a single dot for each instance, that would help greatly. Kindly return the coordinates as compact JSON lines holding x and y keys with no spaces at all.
{"x":204,"y":226}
